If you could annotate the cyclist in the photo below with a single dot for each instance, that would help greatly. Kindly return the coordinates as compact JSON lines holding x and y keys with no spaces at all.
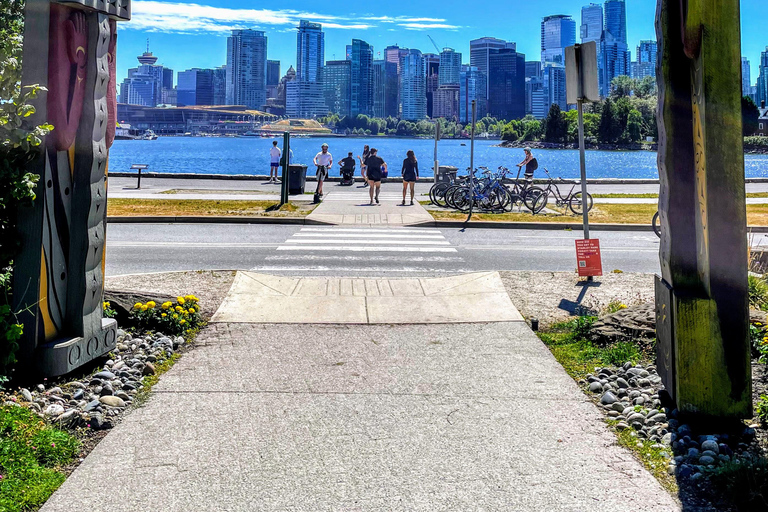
{"x":323,"y":160}
{"x":530,"y":163}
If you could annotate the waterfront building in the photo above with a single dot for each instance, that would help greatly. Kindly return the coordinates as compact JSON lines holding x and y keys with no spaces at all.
{"x":191,"y":119}
{"x":145,"y":84}
{"x":472,"y":86}
{"x":432,"y":67}
{"x":337,"y":86}
{"x":247,"y":68}
{"x":506,"y":77}
{"x":169,"y":97}
{"x":557,"y":33}
{"x":360,"y":56}
{"x":450,"y":67}
{"x":647,"y":54}
{"x":395,"y":54}
{"x":413,"y":97}
{"x":615,"y":57}
{"x":746,"y":77}
{"x":532,"y":69}
{"x":195,"y":87}
{"x":535,"y":101}
{"x":480,"y":51}
{"x":761,"y":93}
{"x":273,"y":78}
{"x":304,"y":95}
{"x":616,"y":19}
{"x":554,"y":86}
{"x":384,"y":88}
{"x":591,"y":23}
{"x":220,"y":85}
{"x":446,"y":101}
{"x":276,"y":105}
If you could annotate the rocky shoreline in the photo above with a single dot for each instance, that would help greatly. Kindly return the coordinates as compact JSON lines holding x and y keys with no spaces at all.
{"x":748,"y":149}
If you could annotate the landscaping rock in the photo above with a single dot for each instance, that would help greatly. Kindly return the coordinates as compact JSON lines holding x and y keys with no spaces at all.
{"x":54,"y":410}
{"x":149,"y":369}
{"x":105,"y":375}
{"x":112,"y":401}
{"x":608,"y":398}
{"x":636,"y":323}
{"x":26,"y":395}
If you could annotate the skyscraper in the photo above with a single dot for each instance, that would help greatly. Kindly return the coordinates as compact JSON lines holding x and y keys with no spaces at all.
{"x":413,"y":96}
{"x":394,"y":54}
{"x":145,"y":84}
{"x":616,"y":19}
{"x":220,"y":85}
{"x":554,"y":88}
{"x":247,"y":68}
{"x":361,"y":58}
{"x":506,"y":75}
{"x":432,"y":67}
{"x":533,"y":69}
{"x":591,"y":23}
{"x":304,"y":95}
{"x":646,"y":59}
{"x":746,"y":77}
{"x":446,"y":101}
{"x":480,"y":54}
{"x":379,"y":87}
{"x":450,"y":67}
{"x":762,"y":79}
{"x":472,"y":84}
{"x":195,"y":87}
{"x":615,"y":57}
{"x":337,"y":86}
{"x":557,"y":32}
{"x":273,"y":77}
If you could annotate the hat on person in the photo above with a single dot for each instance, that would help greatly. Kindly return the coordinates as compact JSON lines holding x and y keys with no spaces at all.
{"x":528,"y":149}
{"x":324,"y":145}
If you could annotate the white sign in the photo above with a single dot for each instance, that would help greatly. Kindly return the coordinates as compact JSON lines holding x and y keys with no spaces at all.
{"x":581,"y":73}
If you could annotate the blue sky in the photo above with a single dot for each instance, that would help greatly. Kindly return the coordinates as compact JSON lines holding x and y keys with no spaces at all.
{"x":193,"y":34}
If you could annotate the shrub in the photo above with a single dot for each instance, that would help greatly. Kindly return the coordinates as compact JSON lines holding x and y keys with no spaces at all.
{"x":758,"y":293}
{"x":177,"y":318}
{"x":615,"y":306}
{"x":580,"y":327}
{"x":761,"y":409}
{"x":744,"y":482}
{"x":757,"y":140}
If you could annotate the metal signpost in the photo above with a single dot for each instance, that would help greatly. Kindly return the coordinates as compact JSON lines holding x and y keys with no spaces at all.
{"x":581,"y":85}
{"x":472,"y":160}
{"x":437,"y":138}
{"x":286,"y":167}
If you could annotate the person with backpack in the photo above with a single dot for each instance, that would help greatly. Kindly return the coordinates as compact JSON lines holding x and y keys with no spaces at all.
{"x":530,"y":163}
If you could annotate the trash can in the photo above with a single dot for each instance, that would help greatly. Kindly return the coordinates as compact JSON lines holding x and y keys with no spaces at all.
{"x":446,"y":174}
{"x":297,"y":178}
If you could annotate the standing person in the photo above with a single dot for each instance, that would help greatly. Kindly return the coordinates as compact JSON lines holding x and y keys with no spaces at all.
{"x":363,"y":173}
{"x":410,"y":173}
{"x":374,"y":165}
{"x":274,"y":154}
{"x":323,"y":160}
{"x":530,"y":163}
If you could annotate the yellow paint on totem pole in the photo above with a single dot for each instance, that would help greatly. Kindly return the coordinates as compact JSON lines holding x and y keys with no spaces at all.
{"x":71,"y":154}
{"x":50,"y":329}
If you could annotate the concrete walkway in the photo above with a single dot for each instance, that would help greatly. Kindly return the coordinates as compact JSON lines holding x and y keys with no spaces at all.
{"x":313,"y":417}
{"x":352,"y":207}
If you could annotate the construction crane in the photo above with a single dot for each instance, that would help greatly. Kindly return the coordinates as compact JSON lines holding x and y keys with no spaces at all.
{"x":434,"y":43}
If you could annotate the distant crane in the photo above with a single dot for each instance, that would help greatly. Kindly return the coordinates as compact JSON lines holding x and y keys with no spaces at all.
{"x":434,"y":43}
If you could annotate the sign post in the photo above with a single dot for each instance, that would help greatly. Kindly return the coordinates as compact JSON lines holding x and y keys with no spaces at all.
{"x":437,"y":138}
{"x":581,"y":84}
{"x":472,"y":160}
{"x":286,"y":167}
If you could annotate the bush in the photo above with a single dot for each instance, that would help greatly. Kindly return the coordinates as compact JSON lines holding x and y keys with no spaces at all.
{"x":744,"y":482}
{"x":758,"y":293}
{"x":761,"y":409}
{"x":179,"y":318}
{"x":757,"y":140}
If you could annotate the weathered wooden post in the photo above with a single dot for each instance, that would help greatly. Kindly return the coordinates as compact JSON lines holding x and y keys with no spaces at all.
{"x":69,"y":47}
{"x":701,"y":298}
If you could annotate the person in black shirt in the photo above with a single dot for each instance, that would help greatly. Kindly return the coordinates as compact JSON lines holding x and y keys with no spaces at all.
{"x":373,"y":166}
{"x":348,"y":169}
{"x":410,"y":173}
{"x":530,"y":164}
{"x":366,"y":154}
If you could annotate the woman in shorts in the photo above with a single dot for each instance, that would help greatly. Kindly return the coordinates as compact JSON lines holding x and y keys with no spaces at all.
{"x":410,"y":174}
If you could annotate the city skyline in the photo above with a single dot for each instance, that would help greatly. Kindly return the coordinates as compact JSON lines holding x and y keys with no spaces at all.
{"x":193,"y":35}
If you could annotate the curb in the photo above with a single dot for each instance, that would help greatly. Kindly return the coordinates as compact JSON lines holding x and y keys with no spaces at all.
{"x":168,"y":219}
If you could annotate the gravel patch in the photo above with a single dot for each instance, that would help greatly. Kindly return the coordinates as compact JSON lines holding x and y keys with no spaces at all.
{"x":556,"y":296}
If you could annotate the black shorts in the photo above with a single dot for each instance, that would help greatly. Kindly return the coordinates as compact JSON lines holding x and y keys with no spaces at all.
{"x":374,"y":174}
{"x":322,"y":173}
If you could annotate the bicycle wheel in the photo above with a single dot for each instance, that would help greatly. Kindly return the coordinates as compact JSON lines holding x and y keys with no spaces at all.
{"x":530,"y":196}
{"x":437,"y":193}
{"x":656,"y":223}
{"x":448,"y":196}
{"x":576,"y":203}
{"x":459,"y":199}
{"x":540,"y":202}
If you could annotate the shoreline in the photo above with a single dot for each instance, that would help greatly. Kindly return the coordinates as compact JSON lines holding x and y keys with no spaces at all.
{"x":639,"y":146}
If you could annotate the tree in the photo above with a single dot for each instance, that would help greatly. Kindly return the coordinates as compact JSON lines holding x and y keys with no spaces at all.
{"x":606,"y":129}
{"x":532,"y":129}
{"x":749,"y":116}
{"x":621,"y":86}
{"x":634,"y":126}
{"x":646,"y":87}
{"x":555,"y":125}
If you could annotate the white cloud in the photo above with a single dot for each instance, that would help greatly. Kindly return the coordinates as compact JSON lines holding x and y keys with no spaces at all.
{"x":191,"y":18}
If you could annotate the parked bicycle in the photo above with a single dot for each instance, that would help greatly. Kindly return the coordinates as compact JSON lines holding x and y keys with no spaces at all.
{"x":525,"y":193}
{"x":487,"y":193}
{"x":572,"y":200}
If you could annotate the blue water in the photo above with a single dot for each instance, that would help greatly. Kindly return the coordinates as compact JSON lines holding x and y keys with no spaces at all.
{"x":251,"y":156}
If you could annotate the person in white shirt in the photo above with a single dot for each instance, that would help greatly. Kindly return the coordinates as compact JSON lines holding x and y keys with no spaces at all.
{"x":274,"y":154}
{"x":323,"y":160}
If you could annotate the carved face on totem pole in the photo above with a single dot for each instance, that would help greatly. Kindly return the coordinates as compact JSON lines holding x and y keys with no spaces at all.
{"x":60,"y":273}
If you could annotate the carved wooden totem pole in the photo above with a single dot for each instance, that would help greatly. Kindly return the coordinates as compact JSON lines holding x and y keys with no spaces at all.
{"x":69,"y":47}
{"x":701,"y":299}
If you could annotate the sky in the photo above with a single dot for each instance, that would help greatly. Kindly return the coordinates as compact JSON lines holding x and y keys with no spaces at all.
{"x":193,"y":34}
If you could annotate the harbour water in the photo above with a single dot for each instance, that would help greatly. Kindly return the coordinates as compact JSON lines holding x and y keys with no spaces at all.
{"x":250,"y":155}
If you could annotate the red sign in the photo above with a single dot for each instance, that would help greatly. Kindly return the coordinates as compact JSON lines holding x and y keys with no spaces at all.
{"x":588,"y":257}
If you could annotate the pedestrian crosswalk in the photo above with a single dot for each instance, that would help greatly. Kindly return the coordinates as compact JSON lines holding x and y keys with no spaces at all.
{"x":365,"y":249}
{"x":363,"y":197}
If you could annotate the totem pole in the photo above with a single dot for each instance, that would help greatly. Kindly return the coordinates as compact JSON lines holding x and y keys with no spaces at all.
{"x":69,"y":47}
{"x":702,"y":303}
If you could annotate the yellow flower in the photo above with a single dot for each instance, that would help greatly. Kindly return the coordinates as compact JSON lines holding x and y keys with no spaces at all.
{"x":151,"y":304}
{"x":164,"y":315}
{"x":137,"y":305}
{"x":175,"y":316}
{"x":189,"y":331}
{"x":183,"y":321}
{"x":167,"y":305}
{"x":107,"y":305}
{"x":191,"y":310}
{"x":180,"y":300}
{"x":179,"y":309}
{"x":623,"y":306}
{"x":143,"y":308}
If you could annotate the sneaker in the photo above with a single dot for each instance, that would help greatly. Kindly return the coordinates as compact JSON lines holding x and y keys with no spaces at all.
{"x":402,"y":204}
{"x":411,"y":203}
{"x":277,"y":182}
{"x":371,"y":203}
{"x":377,"y":200}
{"x":365,"y":185}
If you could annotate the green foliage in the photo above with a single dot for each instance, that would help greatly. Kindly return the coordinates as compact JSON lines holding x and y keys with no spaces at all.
{"x":757,"y":140}
{"x":179,"y":318}
{"x":758,"y":293}
{"x":622,"y":86}
{"x":555,"y":125}
{"x":749,"y":116}
{"x":31,"y":453}
{"x":761,"y":409}
{"x":744,"y":482}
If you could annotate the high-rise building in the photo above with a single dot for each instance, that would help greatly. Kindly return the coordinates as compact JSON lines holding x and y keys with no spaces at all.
{"x":432,"y":67}
{"x":762,"y":79}
{"x":394,"y":54}
{"x":472,"y":86}
{"x":533,"y":69}
{"x":146,"y":83}
{"x":535,"y":103}
{"x":220,"y":85}
{"x":391,"y":90}
{"x":506,"y":75}
{"x":413,"y":97}
{"x":337,"y":86}
{"x":615,"y":57}
{"x":273,"y":77}
{"x":195,"y":87}
{"x":446,"y":101}
{"x":304,"y":95}
{"x":480,"y":54}
{"x":247,"y":68}
{"x":616,"y":19}
{"x":379,"y":87}
{"x":591,"y":23}
{"x":554,"y":87}
{"x":557,"y":33}
{"x":361,"y":58}
{"x":645,"y":65}
{"x":450,"y":67}
{"x":746,"y":77}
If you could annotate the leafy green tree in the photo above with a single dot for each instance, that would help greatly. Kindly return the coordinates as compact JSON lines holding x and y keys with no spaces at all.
{"x":606,"y":128}
{"x":749,"y":116}
{"x":634,"y":126}
{"x":646,"y":87}
{"x":532,"y":130}
{"x":621,"y":87}
{"x":555,"y":125}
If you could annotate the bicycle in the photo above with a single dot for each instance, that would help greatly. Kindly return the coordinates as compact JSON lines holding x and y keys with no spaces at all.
{"x":488,"y":193}
{"x":523,"y":194}
{"x":572,"y":200}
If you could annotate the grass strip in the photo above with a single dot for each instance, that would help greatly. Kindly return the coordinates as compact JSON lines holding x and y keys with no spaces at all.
{"x":202,"y":207}
{"x":32,"y":454}
{"x":652,"y":195}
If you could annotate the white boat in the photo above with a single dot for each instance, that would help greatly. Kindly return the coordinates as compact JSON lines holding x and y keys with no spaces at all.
{"x":148,"y":135}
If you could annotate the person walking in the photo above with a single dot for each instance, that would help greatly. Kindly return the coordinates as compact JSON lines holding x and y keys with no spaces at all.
{"x":530,"y":163}
{"x":410,"y":172}
{"x":374,"y":165}
{"x":323,"y":160}
{"x":363,"y":158}
{"x":274,"y":154}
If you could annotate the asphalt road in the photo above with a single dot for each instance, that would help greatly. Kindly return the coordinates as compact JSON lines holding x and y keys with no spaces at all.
{"x":310,"y":250}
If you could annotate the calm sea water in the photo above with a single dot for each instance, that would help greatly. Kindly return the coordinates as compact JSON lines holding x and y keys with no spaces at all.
{"x":251,"y":156}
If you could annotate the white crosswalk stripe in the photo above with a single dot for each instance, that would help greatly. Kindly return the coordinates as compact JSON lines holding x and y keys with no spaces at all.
{"x":369,"y":249}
